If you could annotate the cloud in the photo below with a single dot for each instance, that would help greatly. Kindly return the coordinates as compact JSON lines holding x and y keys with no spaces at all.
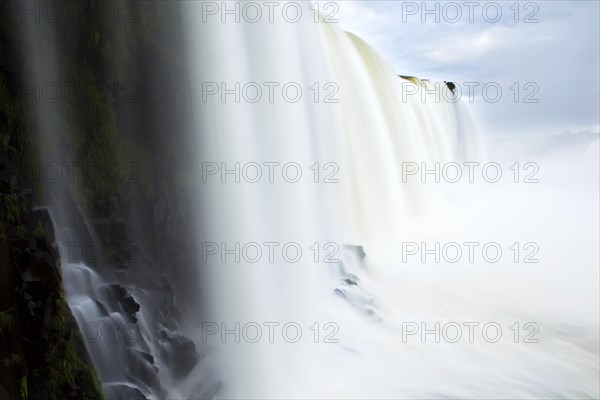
{"x":559,"y":53}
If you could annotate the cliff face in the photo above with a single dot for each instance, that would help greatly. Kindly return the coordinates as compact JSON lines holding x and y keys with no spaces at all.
{"x":125,"y":136}
{"x":42,"y":353}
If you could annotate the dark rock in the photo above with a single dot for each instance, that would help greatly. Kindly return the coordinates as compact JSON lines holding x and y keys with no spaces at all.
{"x":121,"y":299}
{"x":102,"y":308}
{"x":350,"y":281}
{"x":42,"y":245}
{"x":4,"y":161}
{"x":180,"y":353}
{"x":123,"y":392}
{"x":28,"y":198}
{"x":8,"y":57}
{"x":42,"y":314}
{"x":3,"y":394}
{"x":38,"y":269}
{"x":4,"y":169}
{"x":146,"y":356}
{"x":41,"y":216}
{"x":122,"y":296}
{"x":13,"y":180}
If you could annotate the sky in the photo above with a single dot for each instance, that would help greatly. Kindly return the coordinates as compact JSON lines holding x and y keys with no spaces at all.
{"x":542,"y":55}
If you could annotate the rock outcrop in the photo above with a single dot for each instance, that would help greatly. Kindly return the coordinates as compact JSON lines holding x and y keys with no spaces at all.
{"x":42,"y":354}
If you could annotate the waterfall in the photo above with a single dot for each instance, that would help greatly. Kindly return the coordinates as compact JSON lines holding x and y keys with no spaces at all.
{"x":122,"y":301}
{"x":377,"y":123}
{"x":298,"y":204}
{"x":374,"y":123}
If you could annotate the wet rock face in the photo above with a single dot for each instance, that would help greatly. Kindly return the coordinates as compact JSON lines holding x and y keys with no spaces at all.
{"x":180,"y":352}
{"x":39,"y":332}
{"x":123,"y":392}
{"x":124,"y":299}
{"x":144,"y":296}
{"x":144,"y":255}
{"x":3,"y":394}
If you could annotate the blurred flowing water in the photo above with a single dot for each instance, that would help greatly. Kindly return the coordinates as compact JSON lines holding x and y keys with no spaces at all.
{"x":127,"y":316}
{"x":375,"y":125}
{"x":369,"y":133}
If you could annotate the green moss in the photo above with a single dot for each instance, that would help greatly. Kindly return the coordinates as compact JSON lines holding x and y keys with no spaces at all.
{"x":412,"y":79}
{"x":61,"y":362}
{"x":7,"y":106}
{"x":13,"y":359}
{"x":12,"y":209}
{"x":39,"y":229}
{"x":21,"y":231}
{"x":23,"y":386}
{"x":18,"y":122}
{"x":90,"y":379}
{"x":7,"y":320}
{"x":62,"y":310}
{"x":64,"y":371}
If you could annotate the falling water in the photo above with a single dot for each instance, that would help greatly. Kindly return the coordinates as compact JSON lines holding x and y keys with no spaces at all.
{"x":358,"y":144}
{"x":132,"y":350}
{"x":378,"y":122}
